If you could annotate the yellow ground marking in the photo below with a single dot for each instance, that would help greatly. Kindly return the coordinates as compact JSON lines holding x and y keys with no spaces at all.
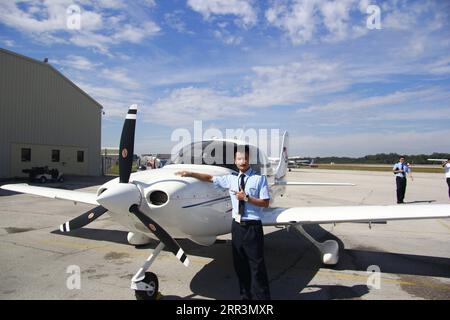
{"x":131,"y":252}
{"x":363,"y":278}
{"x":444,"y":224}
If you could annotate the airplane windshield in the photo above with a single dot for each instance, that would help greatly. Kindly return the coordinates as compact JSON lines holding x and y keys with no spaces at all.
{"x":219,"y":153}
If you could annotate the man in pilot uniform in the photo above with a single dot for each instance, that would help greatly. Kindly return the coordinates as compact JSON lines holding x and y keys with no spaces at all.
{"x":400,"y":170}
{"x":249,"y":194}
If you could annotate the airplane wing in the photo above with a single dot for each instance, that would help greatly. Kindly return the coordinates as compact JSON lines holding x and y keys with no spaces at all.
{"x":318,"y":215}
{"x":286,"y":183}
{"x":76,"y":196}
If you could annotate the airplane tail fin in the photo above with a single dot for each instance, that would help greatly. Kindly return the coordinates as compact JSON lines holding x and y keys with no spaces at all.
{"x":282,"y":167}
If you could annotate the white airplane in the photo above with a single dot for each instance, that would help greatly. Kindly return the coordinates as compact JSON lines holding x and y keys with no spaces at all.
{"x":307,"y":163}
{"x":438,"y":160}
{"x":165,"y":205}
{"x":294,"y":162}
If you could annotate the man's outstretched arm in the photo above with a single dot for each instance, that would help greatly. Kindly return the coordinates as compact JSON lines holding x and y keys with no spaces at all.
{"x":200,"y":176}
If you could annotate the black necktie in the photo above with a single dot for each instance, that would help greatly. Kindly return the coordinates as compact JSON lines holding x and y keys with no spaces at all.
{"x":242,"y":188}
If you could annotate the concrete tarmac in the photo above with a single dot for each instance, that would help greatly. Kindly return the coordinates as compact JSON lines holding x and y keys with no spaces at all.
{"x":413,"y":257}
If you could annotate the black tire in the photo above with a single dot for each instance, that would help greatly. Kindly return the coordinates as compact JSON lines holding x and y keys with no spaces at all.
{"x":42,"y":179}
{"x":152,"y":280}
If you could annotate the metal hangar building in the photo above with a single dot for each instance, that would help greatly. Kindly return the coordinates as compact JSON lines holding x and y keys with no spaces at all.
{"x":45,"y":120}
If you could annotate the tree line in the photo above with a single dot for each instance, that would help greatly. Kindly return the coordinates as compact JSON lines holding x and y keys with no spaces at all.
{"x":385,"y":158}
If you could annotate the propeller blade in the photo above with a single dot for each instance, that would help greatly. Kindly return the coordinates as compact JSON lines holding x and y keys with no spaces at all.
{"x":161,"y":234}
{"x":126,"y":148}
{"x":83,"y":220}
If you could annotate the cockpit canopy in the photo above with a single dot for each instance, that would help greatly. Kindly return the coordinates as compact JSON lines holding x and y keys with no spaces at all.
{"x":220,"y":153}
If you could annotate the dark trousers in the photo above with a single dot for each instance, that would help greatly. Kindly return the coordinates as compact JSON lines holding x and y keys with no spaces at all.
{"x":401,"y":188}
{"x":448,"y":183}
{"x":248,"y":258}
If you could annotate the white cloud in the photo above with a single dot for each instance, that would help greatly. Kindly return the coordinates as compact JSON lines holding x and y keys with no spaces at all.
{"x":46,"y":21}
{"x":396,"y":98}
{"x":136,"y":34}
{"x":288,"y":84}
{"x":121,"y":32}
{"x":306,"y":81}
{"x":92,"y":40}
{"x":120,"y":76}
{"x":8,"y":42}
{"x":301,"y":20}
{"x":360,"y":144}
{"x":174,"y":20}
{"x":439,"y":67}
{"x":111,"y":4}
{"x":441,"y":113}
{"x":149,"y":3}
{"x":294,"y":83}
{"x":115,"y":100}
{"x":306,"y":21}
{"x":336,"y":16}
{"x":240,"y":8}
{"x":77,"y":62}
{"x":227,"y":38}
{"x":298,"y":20}
{"x":421,"y":17}
{"x":185,"y":105}
{"x":44,"y":17}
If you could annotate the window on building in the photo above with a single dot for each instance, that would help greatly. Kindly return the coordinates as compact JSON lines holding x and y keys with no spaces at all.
{"x":55,"y":155}
{"x":80,"y":156}
{"x":26,"y":154}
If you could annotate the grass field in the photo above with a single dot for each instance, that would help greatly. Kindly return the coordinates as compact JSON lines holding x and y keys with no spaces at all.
{"x":362,"y":167}
{"x":115,"y":170}
{"x":381,"y":168}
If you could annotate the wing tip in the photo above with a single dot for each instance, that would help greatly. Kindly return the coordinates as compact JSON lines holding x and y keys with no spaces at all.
{"x":11,"y":186}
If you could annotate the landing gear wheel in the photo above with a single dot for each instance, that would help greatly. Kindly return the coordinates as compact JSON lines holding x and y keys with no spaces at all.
{"x":152,"y":280}
{"x":42,"y":179}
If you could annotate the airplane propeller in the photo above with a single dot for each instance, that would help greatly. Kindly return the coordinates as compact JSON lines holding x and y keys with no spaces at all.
{"x":83,"y":219}
{"x":161,"y":234}
{"x":125,"y":164}
{"x":126,"y":147}
{"x":127,"y":196}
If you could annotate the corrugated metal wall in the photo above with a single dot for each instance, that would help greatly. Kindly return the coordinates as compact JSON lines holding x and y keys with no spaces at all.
{"x":39,"y":106}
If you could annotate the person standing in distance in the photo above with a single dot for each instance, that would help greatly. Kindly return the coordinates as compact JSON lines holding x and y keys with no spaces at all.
{"x":249,"y":194}
{"x":400,"y":170}
{"x":446,"y":166}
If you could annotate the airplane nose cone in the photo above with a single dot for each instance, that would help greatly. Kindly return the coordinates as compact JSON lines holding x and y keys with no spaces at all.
{"x":120,"y":197}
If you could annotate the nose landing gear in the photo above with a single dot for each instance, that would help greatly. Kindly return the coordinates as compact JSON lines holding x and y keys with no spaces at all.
{"x":145,"y":284}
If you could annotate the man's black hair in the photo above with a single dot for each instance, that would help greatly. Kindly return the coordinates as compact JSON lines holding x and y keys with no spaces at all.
{"x":240,"y":148}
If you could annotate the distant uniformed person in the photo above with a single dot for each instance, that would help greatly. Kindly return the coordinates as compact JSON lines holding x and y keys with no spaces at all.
{"x":249,"y":193}
{"x":401,"y":169}
{"x":446,"y":166}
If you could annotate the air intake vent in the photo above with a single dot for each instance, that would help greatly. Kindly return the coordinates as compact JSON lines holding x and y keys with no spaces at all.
{"x":158,"y":198}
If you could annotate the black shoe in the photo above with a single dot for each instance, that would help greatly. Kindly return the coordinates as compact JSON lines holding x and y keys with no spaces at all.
{"x":400,"y":202}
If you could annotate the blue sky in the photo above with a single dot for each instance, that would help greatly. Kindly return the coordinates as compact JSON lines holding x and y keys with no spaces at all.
{"x":313,"y":68}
